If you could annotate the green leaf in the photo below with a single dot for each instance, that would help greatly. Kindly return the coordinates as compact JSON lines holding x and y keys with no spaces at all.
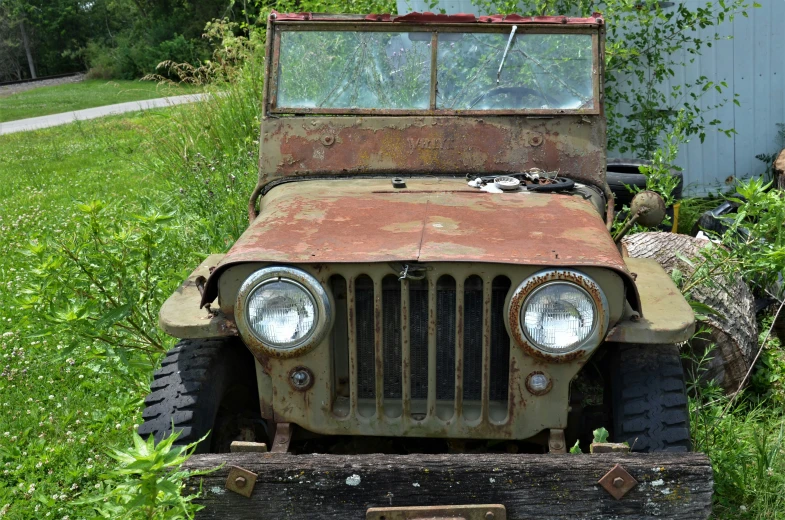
{"x":703,"y":309}
{"x":600,"y":435}
{"x":576,"y":448}
{"x":114,"y":315}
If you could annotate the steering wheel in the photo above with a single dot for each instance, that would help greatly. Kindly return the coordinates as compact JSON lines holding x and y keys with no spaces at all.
{"x":518,"y":92}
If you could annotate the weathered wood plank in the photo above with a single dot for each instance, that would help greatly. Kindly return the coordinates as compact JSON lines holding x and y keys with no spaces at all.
{"x":327,"y":487}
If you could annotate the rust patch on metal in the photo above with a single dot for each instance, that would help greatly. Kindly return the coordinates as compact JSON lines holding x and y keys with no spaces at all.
{"x":325,"y":222}
{"x":451,"y":145}
{"x":617,"y":482}
{"x":241,"y":481}
{"x":283,"y":436}
{"x":462,"y":512}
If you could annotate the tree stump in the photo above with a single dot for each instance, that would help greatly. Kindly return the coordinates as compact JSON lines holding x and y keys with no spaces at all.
{"x":732,"y":337}
{"x":545,"y":487}
{"x":779,"y":170}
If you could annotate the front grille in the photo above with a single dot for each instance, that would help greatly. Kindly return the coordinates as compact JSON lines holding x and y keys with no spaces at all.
{"x":411,"y":346}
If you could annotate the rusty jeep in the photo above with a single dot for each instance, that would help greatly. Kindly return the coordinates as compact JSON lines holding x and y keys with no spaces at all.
{"x":428,"y":269}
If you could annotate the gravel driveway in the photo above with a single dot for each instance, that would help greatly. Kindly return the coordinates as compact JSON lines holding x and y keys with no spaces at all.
{"x":7,"y":90}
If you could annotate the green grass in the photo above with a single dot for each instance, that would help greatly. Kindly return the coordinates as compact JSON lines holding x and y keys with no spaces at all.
{"x":63,"y":401}
{"x":86,"y":94}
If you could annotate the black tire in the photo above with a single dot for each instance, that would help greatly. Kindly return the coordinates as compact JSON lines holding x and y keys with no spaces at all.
{"x":649,"y":399}
{"x":198,"y":380}
{"x":625,"y":172}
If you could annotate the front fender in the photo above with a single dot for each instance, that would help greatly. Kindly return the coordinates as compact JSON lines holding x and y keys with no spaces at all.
{"x":181,"y":315}
{"x":665,"y":315}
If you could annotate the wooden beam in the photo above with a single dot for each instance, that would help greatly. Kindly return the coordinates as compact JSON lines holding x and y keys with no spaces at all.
{"x":332,"y":487}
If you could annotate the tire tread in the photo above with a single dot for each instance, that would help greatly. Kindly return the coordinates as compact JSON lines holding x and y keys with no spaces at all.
{"x":650,"y":402}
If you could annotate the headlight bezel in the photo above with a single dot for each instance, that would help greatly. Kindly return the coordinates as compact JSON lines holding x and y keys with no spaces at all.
{"x":539,"y":280}
{"x":298,"y":277}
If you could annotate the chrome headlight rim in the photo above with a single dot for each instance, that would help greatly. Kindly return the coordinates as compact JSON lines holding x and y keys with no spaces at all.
{"x":297,"y":277}
{"x":547,"y":277}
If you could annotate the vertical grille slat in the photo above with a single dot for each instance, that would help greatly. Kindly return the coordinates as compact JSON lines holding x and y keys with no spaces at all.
{"x":352,"y":344}
{"x":378,"y":344}
{"x":459,"y":350}
{"x":406,"y":357}
{"x":392,"y":337}
{"x":431,"y":391}
{"x":486,"y":348}
{"x":364,"y":334}
{"x":422,"y":344}
{"x":445,"y":338}
{"x":472,"y":338}
{"x":500,"y":341}
{"x":418,"y":314}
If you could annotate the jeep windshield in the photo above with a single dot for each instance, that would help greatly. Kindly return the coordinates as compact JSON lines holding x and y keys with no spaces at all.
{"x":434,"y":69}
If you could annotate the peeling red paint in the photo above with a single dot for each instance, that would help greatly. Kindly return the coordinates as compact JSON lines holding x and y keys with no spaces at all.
{"x":325,"y":222}
{"x":429,"y":17}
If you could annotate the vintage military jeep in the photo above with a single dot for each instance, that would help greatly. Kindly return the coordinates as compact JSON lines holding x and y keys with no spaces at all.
{"x":430,"y":267}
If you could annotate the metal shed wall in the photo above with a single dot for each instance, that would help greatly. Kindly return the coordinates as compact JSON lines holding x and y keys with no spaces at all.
{"x":752,"y":63}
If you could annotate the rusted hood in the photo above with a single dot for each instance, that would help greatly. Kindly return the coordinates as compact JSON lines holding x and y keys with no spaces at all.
{"x":432,"y":220}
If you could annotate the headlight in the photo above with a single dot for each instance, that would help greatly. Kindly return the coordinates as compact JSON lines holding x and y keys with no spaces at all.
{"x":557,"y":312}
{"x":559,"y":316}
{"x":281,"y":313}
{"x":282,"y":310}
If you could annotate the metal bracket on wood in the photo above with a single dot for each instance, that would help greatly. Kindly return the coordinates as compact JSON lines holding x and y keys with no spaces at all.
{"x":556,"y":442}
{"x":241,"y":481}
{"x":283,"y":436}
{"x":617,"y":482}
{"x":466,"y":512}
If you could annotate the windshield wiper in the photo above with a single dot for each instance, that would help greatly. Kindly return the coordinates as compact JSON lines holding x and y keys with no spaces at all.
{"x":504,"y":56}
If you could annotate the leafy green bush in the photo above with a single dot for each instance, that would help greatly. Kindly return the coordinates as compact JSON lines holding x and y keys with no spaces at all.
{"x":148,"y":484}
{"x":754,"y":242}
{"x":106,"y":279}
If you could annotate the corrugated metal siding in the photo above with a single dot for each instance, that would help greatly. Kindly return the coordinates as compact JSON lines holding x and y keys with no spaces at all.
{"x":753,"y":65}
{"x":751,"y":62}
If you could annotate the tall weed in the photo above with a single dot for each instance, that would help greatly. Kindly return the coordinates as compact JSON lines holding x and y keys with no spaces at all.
{"x":210,"y":161}
{"x":148,"y":483}
{"x":105,"y":279}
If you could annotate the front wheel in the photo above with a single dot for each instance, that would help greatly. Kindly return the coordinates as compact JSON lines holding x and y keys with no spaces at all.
{"x":204,"y":387}
{"x":649,"y":399}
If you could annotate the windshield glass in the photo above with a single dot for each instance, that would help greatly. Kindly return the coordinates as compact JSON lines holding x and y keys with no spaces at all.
{"x":348,"y":69}
{"x":336,"y":70}
{"x":539,"y":71}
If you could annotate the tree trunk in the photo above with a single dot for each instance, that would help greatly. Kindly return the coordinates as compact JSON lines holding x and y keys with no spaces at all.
{"x":545,"y":487}
{"x":732,"y":337}
{"x":26,"y":44}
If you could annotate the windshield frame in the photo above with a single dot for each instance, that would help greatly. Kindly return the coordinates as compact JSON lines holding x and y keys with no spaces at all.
{"x":435,"y":29}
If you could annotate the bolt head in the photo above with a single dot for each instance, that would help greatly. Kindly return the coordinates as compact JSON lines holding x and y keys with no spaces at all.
{"x":618,"y":482}
{"x":489,"y":515}
{"x":301,"y":379}
{"x":240,"y":482}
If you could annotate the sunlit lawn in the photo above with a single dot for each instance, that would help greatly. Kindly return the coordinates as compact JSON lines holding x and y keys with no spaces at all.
{"x":86,"y":94}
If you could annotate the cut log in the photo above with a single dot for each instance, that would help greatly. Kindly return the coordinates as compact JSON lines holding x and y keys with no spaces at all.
{"x":730,"y":344}
{"x":332,"y":487}
{"x":779,"y":170}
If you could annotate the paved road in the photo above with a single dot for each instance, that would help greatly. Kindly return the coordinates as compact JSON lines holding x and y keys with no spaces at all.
{"x":35,"y":123}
